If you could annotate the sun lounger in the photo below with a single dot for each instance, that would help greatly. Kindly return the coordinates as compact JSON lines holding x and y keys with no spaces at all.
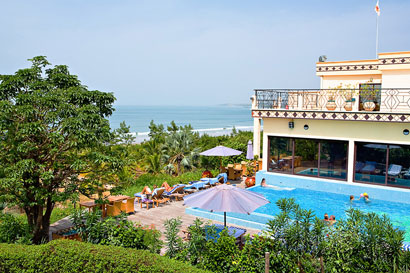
{"x":147,"y":202}
{"x":157,"y":196}
{"x":177,"y":192}
{"x":394,"y":170}
{"x":406,"y":175}
{"x":359,"y":166}
{"x":370,"y":167}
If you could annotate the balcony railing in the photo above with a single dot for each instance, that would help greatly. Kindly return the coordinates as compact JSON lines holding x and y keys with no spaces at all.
{"x":382,"y":100}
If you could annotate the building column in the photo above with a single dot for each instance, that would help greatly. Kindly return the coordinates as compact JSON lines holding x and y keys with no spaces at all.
{"x":257,"y":136}
{"x":350,"y":162}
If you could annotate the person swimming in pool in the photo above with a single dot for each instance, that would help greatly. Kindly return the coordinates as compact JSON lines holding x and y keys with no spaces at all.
{"x":351,"y":198}
{"x":365,"y":196}
{"x":263,"y":184}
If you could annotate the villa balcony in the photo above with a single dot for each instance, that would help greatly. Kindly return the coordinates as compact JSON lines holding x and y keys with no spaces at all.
{"x":341,"y":104}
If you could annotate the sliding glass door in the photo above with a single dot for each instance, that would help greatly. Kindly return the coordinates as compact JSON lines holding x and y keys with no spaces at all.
{"x":383,"y":164}
{"x":311,"y":157}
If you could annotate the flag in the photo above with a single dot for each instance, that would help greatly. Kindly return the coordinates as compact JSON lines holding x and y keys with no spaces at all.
{"x":377,"y":8}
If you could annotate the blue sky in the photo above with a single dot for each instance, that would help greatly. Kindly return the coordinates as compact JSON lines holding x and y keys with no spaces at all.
{"x":196,"y":52}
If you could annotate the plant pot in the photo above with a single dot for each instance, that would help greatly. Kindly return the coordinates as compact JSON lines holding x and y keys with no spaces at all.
{"x":348,"y":106}
{"x":331,"y":105}
{"x":250,"y":181}
{"x":369,"y":105}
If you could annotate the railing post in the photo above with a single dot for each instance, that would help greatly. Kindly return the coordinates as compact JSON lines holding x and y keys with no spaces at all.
{"x":267,"y":262}
{"x":300,"y":100}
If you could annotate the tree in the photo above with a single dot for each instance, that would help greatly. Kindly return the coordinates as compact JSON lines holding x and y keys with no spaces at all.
{"x":50,"y":127}
{"x":179,"y":151}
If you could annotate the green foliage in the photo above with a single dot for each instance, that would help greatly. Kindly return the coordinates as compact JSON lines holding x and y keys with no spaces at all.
{"x":123,"y":135}
{"x":173,"y":241}
{"x":13,"y":229}
{"x":364,"y":242}
{"x":179,"y":152}
{"x":222,"y":255}
{"x":51,"y":127}
{"x":300,"y":242}
{"x":151,"y":180}
{"x":115,"y":231}
{"x":66,"y":256}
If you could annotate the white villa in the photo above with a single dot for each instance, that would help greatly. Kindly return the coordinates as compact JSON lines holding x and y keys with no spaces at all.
{"x":355,"y":128}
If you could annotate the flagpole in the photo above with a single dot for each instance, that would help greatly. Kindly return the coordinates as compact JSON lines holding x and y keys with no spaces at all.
{"x":377,"y":36}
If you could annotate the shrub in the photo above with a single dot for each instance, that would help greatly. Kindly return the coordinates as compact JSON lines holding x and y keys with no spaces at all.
{"x":115,"y":231}
{"x":71,"y":256}
{"x":13,"y":229}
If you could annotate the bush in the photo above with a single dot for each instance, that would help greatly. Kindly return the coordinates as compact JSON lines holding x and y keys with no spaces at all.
{"x":13,"y":229}
{"x":71,"y":256}
{"x":115,"y":231}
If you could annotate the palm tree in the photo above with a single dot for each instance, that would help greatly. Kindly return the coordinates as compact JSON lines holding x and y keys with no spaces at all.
{"x":151,"y":156}
{"x":179,"y":152}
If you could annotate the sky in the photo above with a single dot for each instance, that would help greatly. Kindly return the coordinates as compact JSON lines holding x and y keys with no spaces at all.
{"x":196,"y":52}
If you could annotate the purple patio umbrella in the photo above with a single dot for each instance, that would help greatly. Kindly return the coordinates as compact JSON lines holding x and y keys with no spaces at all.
{"x":226,"y":198}
{"x":221,"y":151}
{"x":249,"y":152}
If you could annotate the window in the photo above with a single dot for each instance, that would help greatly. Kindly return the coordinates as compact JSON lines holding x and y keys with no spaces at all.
{"x":333,"y":159}
{"x":398,"y":173}
{"x":386,"y":164}
{"x":370,"y":165}
{"x":306,"y":154}
{"x":280,"y":154}
{"x":312,"y":157}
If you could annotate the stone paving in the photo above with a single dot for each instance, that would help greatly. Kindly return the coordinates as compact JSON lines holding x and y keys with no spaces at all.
{"x":156,"y":216}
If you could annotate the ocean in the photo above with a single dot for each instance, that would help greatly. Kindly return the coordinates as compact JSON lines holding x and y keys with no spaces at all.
{"x":212,"y":120}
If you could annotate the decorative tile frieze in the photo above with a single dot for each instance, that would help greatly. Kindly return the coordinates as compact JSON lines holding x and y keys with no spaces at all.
{"x":355,"y":67}
{"x":399,"y":60}
{"x":333,"y":115}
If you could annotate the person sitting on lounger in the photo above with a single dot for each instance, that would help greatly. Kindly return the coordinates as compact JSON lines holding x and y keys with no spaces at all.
{"x":146,"y":190}
{"x":167,"y":187}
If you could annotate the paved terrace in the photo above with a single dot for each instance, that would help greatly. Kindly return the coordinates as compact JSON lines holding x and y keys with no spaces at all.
{"x":157,"y":215}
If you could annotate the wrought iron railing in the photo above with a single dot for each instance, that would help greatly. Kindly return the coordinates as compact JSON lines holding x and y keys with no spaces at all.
{"x":383,"y":100}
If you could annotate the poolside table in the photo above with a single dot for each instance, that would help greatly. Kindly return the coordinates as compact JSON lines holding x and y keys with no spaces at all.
{"x":89,"y":204}
{"x":114,"y":198}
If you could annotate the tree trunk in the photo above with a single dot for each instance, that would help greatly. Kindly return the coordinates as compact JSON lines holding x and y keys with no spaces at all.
{"x":39,"y":221}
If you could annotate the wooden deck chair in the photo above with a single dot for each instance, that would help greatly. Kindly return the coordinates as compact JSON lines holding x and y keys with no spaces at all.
{"x":158,"y":198}
{"x":114,"y":209}
{"x":233,"y":174}
{"x":128,"y":205}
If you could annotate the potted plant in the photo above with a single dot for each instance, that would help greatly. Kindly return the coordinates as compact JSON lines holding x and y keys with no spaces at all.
{"x":250,"y":174}
{"x":331,"y":102}
{"x":368,"y":96}
{"x":348,"y":94}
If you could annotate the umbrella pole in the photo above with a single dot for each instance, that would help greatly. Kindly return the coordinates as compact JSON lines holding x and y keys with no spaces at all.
{"x":224,"y":218}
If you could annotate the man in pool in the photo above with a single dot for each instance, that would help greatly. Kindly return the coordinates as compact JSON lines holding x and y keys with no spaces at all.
{"x":351,"y":198}
{"x":263,"y":182}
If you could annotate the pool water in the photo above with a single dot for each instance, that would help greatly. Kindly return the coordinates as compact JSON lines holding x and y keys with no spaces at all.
{"x":330,"y":203}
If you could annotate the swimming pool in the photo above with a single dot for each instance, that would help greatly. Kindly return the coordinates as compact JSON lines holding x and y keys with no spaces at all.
{"x":320,"y":203}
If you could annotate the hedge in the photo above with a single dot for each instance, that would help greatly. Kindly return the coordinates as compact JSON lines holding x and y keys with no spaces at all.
{"x":72,"y":256}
